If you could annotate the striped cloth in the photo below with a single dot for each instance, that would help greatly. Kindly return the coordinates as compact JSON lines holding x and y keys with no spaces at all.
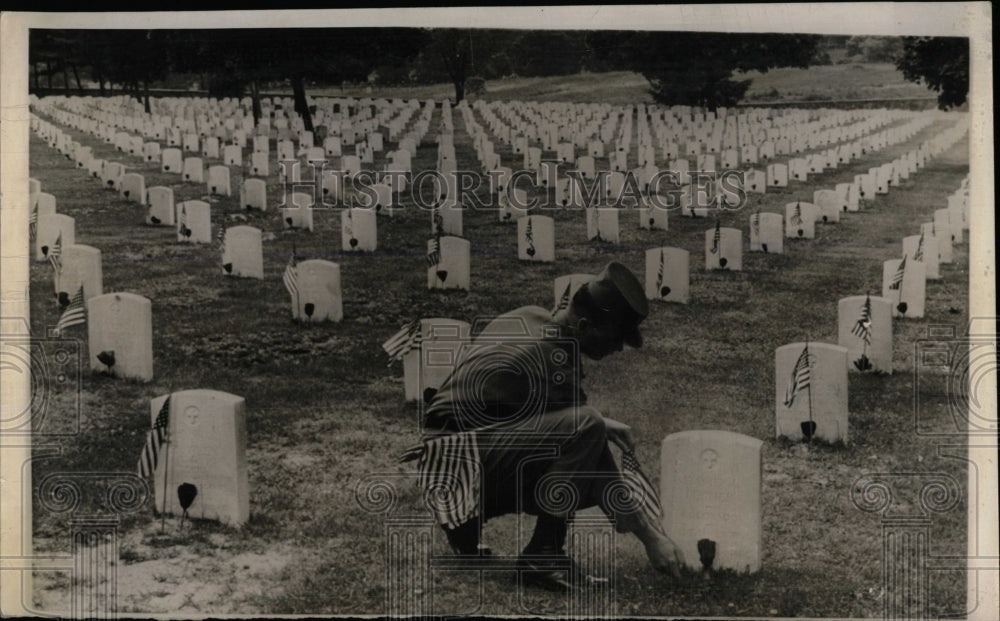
{"x":450,"y":474}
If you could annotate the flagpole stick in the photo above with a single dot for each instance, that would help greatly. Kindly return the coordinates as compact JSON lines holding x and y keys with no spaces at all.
{"x":166,"y":470}
{"x":809,"y":388}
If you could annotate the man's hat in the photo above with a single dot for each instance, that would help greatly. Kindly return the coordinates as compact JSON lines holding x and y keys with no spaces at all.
{"x":617,"y":292}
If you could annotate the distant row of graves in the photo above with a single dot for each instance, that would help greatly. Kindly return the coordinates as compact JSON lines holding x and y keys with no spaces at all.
{"x":811,"y":378}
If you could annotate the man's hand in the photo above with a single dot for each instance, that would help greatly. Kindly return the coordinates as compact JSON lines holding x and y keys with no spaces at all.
{"x":619,"y":433}
{"x":665,"y":556}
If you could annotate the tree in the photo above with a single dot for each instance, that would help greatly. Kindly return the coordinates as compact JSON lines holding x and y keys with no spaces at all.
{"x":940,"y":62}
{"x":696,"y":68}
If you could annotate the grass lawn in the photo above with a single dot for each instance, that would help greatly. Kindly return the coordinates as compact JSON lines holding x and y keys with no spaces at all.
{"x":324,"y":409}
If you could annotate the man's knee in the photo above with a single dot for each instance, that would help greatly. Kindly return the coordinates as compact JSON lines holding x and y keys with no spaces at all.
{"x":590,"y":423}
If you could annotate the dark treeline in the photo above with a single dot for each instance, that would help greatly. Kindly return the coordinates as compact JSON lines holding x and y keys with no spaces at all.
{"x":683,"y":68}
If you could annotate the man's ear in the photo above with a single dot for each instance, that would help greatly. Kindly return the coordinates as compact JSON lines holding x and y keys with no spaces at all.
{"x":582,"y":324}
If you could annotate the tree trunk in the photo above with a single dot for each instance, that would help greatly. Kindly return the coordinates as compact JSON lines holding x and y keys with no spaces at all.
{"x":459,"y":91}
{"x":145,"y":94}
{"x":35,"y":67}
{"x":48,"y":73}
{"x":65,"y":78}
{"x":76,"y":76}
{"x":301,"y":105}
{"x":255,"y":99}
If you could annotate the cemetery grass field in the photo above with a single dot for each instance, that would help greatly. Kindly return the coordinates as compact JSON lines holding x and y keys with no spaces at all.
{"x":324,"y":408}
{"x":823,"y":82}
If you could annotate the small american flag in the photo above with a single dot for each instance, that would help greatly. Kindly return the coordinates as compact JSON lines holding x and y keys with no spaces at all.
{"x":438,"y":221}
{"x":75,"y":313}
{"x":154,"y":441}
{"x":565,"y":298}
{"x":33,"y":223}
{"x":642,"y":489}
{"x":659,"y":271}
{"x":716,"y":237}
{"x":55,"y":254}
{"x":797,"y":214}
{"x":403,"y":341}
{"x":863,"y":327}
{"x":528,"y":235}
{"x":897,"y":278}
{"x":434,"y":255}
{"x":450,"y":474}
{"x":755,"y":224}
{"x":291,"y":276}
{"x":800,"y":376}
{"x":919,"y":254}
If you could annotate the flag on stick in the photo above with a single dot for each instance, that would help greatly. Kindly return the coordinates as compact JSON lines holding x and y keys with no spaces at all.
{"x":716,"y":237}
{"x":55,"y":254}
{"x":564,"y":299}
{"x":642,"y":489}
{"x":154,"y":441}
{"x":800,"y":376}
{"x":797,"y":214}
{"x":919,"y":254}
{"x":863,"y":327}
{"x":897,"y":278}
{"x":659,"y":271}
{"x":75,"y":313}
{"x":434,"y":256}
{"x":33,"y":223}
{"x":755,"y":224}
{"x":403,"y":341}
{"x":291,"y":276}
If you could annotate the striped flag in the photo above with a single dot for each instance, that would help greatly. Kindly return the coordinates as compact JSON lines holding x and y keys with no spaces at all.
{"x":755,"y":224}
{"x":438,"y":221}
{"x":154,"y":441}
{"x":450,"y":474}
{"x":659,"y":271}
{"x":291,"y":276}
{"x":529,"y":237}
{"x":642,"y":489}
{"x":919,"y":254}
{"x":75,"y":313}
{"x":800,"y":376}
{"x":716,"y":237}
{"x":863,"y":327}
{"x":797,"y":214}
{"x":897,"y":278}
{"x":434,"y":255}
{"x":55,"y":254}
{"x":33,"y":223}
{"x":403,"y":341}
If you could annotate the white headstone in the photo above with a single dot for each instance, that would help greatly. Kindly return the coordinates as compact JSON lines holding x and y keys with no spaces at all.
{"x":120,"y":335}
{"x":300,"y":214}
{"x":924,"y":248}
{"x":865,"y":330}
{"x":134,"y":187}
{"x":53,"y":227}
{"x":243,"y":254}
{"x":427,"y":365}
{"x":358,"y":230}
{"x":830,"y":203}
{"x":652,"y":216}
{"x":849,"y":192}
{"x":943,"y":234}
{"x":194,"y":222}
{"x":810,"y":391}
{"x":319,"y":295}
{"x":219,"y":180}
{"x":904,"y":284}
{"x":602,"y":224}
{"x":800,"y":220}
{"x":232,"y":155}
{"x":767,"y":233}
{"x":253,"y":194}
{"x":777,"y":175}
{"x":206,"y":448}
{"x":710,"y":489}
{"x":755,"y":181}
{"x":536,"y":239}
{"x":194,"y":171}
{"x":668,"y":274}
{"x":724,"y":249}
{"x":81,"y":266}
{"x":160,"y":200}
{"x":448,"y":263}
